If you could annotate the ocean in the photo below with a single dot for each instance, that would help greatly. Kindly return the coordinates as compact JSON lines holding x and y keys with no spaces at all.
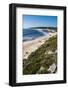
{"x":31,"y":34}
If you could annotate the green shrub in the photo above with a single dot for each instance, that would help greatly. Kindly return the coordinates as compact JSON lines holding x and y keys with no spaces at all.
{"x":38,"y":58}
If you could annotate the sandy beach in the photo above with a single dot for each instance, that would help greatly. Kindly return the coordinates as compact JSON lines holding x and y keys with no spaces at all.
{"x":31,"y":46}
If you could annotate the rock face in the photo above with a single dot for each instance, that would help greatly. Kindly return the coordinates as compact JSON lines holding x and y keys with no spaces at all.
{"x":52,"y":68}
{"x":43,"y":60}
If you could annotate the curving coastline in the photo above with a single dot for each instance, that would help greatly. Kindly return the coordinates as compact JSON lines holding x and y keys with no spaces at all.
{"x":31,"y":46}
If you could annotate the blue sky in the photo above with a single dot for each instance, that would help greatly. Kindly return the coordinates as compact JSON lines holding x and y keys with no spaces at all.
{"x":37,"y":21}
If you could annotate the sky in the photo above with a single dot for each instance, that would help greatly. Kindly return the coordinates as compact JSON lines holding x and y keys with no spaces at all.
{"x":37,"y":21}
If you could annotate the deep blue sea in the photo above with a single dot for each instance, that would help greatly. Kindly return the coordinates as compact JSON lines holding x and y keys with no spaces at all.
{"x":31,"y":34}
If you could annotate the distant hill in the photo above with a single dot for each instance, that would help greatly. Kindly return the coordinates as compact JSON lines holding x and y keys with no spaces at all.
{"x":53,"y":28}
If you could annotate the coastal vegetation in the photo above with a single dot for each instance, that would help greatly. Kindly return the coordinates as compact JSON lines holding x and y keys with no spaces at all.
{"x":43,"y":59}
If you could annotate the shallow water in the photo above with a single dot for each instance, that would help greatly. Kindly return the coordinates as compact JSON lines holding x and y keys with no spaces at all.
{"x":31,"y":34}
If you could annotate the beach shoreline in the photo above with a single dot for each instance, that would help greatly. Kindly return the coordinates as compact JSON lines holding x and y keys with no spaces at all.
{"x":31,"y":46}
